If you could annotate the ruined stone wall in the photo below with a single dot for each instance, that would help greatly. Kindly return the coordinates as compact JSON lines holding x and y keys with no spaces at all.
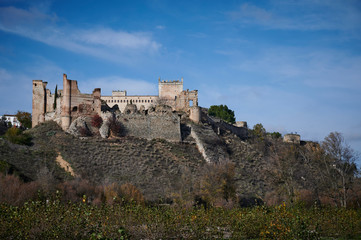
{"x":156,"y":125}
{"x":122,"y":101}
{"x":292,"y":138}
{"x":186,"y":99}
{"x":219,"y":125}
{"x":71,"y":103}
{"x":75,"y":104}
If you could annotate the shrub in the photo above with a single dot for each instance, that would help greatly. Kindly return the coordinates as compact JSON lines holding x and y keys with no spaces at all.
{"x":96,"y":121}
{"x":84,"y":132}
{"x":116,"y":128}
{"x":15,"y":135}
{"x":15,"y":192}
{"x":112,"y":193}
{"x":218,"y":183}
{"x":127,"y":193}
{"x":131,"y":193}
{"x":79,"y":190}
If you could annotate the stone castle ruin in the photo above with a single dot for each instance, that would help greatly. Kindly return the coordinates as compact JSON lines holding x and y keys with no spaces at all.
{"x":173,"y":115}
{"x":142,"y":116}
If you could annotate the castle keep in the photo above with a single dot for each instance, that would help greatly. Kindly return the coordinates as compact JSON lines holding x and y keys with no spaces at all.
{"x":144,"y":116}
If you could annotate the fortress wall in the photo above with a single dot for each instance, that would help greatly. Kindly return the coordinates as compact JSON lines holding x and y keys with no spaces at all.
{"x":241,"y":132}
{"x":166,"y":126}
{"x":146,"y":101}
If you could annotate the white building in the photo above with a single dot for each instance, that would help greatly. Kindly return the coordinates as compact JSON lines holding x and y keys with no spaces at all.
{"x":11,"y":119}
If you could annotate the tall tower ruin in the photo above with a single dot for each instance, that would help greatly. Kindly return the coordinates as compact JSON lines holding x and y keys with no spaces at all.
{"x":66,"y":105}
{"x":39,"y":102}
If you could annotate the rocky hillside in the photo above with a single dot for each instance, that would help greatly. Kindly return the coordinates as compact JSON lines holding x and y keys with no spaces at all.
{"x":160,"y":169}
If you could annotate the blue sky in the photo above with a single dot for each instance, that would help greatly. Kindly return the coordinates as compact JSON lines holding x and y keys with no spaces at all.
{"x":294,"y":66}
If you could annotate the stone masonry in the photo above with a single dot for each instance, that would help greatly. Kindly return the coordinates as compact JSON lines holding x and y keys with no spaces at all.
{"x":71,"y":103}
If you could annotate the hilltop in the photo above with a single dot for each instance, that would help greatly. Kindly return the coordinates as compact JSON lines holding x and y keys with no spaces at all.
{"x":160,"y":169}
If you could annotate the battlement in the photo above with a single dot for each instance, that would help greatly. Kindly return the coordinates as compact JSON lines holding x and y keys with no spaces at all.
{"x":175,"y":82}
{"x":119,"y":93}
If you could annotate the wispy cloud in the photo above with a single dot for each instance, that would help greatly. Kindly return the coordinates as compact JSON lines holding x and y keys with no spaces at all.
{"x":301,"y":15}
{"x":19,"y":86}
{"x":314,"y":68}
{"x":116,"y":39}
{"x":160,"y":27}
{"x":106,"y":43}
{"x":110,"y":83}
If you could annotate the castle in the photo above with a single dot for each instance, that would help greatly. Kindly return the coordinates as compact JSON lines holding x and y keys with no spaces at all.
{"x":68,"y":104}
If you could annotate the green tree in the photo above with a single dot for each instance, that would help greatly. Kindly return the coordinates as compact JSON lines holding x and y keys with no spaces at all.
{"x":24,"y":118}
{"x":15,"y":135}
{"x":223,"y":112}
{"x":258,"y":130}
{"x":276,"y":135}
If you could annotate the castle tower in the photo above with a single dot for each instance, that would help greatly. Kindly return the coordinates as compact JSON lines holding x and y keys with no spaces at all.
{"x":195,"y":114}
{"x":169,"y":90}
{"x":66,"y":105}
{"x":39,"y":102}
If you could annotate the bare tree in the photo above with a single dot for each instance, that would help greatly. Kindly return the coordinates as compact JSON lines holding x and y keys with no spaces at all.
{"x":339,"y":164}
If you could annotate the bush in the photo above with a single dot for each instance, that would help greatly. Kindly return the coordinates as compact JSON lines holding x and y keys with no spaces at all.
{"x":96,"y":121}
{"x":131,"y":193}
{"x":116,"y":128}
{"x":15,"y":192}
{"x":80,"y":190}
{"x":126,"y":193}
{"x":15,"y":135}
{"x":217,"y":183}
{"x":85,"y":132}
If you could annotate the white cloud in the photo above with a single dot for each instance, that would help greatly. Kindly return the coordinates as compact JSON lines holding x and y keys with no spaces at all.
{"x":106,"y":43}
{"x":116,"y":39}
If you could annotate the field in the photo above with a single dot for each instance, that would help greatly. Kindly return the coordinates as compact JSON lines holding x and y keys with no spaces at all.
{"x":53,"y":219}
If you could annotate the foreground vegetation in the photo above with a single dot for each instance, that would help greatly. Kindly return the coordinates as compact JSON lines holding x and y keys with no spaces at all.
{"x":53,"y":219}
{"x":77,"y":209}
